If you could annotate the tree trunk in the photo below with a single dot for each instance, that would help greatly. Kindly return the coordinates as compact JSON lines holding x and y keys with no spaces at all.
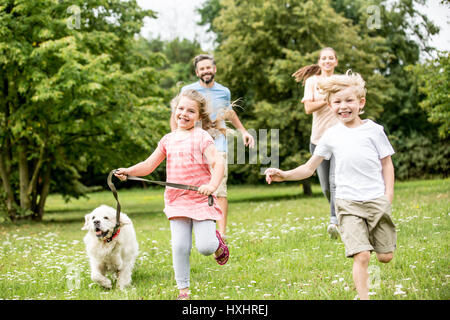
{"x":307,"y":190}
{"x":5,"y":153}
{"x":5,"y":174}
{"x":32,"y":192}
{"x":39,"y":213}
{"x":25,"y":203}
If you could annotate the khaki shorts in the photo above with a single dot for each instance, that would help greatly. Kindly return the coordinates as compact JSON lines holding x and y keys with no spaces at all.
{"x":366,"y":225}
{"x":222,"y":189}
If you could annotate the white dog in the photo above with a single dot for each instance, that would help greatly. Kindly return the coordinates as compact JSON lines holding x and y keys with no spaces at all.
{"x":110,"y":252}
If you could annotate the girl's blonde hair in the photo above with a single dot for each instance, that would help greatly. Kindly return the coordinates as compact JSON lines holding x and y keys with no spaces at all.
{"x":314,"y":69}
{"x":339,"y":82}
{"x":214,"y":128}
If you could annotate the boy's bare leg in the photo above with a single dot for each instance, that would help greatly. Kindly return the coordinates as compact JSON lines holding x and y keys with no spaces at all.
{"x":361,"y":274}
{"x":222,"y":224}
{"x":385,"y":257}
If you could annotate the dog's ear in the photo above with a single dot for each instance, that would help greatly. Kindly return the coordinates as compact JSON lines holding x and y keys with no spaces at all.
{"x":86,"y":222}
{"x":124,"y":219}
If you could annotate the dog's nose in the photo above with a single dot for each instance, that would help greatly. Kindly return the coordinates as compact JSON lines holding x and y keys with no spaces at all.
{"x":96,"y":222}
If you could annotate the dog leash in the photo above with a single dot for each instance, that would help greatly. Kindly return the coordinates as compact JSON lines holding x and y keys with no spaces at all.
{"x":173,"y":185}
{"x":114,"y":191}
{"x":161,"y":183}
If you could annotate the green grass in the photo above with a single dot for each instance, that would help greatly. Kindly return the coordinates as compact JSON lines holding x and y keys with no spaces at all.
{"x":277,"y":238}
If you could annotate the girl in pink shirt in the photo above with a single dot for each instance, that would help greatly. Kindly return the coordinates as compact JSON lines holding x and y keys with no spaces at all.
{"x":189,"y":152}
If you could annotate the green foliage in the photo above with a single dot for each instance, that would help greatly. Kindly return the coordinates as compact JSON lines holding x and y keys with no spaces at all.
{"x":178,"y":69}
{"x":433,"y":78}
{"x":208,"y":12}
{"x":261,"y":43}
{"x":414,"y":138}
{"x":406,"y":32}
{"x":80,"y":94}
{"x":75,"y":93}
{"x":419,"y":156}
{"x":264,"y":42}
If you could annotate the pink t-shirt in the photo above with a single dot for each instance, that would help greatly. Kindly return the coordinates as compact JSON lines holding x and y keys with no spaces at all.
{"x":186,"y":164}
{"x":323,"y":118}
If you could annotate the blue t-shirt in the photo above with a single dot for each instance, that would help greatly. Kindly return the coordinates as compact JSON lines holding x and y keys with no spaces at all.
{"x":219,"y":98}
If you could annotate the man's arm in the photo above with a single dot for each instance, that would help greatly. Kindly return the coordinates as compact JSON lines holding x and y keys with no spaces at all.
{"x":234,"y":119}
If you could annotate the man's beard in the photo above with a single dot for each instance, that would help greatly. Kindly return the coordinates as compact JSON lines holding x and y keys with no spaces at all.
{"x":207,"y":81}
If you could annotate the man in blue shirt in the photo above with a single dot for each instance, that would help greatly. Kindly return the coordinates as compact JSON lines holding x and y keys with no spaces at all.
{"x":220,"y":98}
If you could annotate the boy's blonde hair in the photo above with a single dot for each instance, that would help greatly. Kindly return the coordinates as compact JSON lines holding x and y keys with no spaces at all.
{"x":214,"y":128}
{"x":335,"y":83}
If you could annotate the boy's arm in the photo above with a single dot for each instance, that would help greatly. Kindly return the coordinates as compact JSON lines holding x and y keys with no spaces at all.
{"x":388,"y":177}
{"x":218,"y":168}
{"x":302,"y":172}
{"x":142,"y":168}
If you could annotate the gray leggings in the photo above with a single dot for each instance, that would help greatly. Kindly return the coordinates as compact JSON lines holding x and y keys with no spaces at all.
{"x":325,"y":171}
{"x":205,"y":240}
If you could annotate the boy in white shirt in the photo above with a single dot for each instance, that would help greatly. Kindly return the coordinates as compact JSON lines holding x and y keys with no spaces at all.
{"x":364,"y":176}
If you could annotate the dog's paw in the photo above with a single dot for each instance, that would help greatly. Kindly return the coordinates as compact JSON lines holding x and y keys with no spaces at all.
{"x":103,"y":281}
{"x":107,"y":285}
{"x":123,"y":283}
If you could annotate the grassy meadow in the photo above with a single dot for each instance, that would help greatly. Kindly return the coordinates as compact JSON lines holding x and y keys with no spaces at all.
{"x":278,"y":243}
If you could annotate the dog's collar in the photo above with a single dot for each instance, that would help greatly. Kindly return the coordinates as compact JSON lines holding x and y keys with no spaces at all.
{"x":113,"y":236}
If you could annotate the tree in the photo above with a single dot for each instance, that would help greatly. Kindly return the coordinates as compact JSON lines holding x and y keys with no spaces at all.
{"x":433,"y":79}
{"x":208,"y":12}
{"x":420,"y":151}
{"x":178,"y":69}
{"x":264,"y":42}
{"x":74,"y":92}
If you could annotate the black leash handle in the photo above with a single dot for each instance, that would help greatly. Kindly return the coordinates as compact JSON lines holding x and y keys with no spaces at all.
{"x":210,"y":200}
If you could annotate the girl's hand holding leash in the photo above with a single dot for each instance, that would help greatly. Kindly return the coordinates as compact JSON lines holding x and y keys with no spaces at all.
{"x":121,"y":173}
{"x":273,"y":174}
{"x":206,"y":189}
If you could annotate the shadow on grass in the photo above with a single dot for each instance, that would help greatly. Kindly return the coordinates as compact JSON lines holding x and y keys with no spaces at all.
{"x":262,"y":198}
{"x":71,"y":215}
{"x":80,"y":217}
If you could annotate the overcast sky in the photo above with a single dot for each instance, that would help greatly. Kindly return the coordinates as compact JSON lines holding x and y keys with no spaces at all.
{"x":177,"y":18}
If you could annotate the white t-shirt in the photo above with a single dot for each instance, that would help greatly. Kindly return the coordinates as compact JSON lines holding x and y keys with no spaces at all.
{"x":357,"y":152}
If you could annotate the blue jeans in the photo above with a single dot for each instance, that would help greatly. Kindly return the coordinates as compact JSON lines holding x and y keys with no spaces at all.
{"x":325,"y":171}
